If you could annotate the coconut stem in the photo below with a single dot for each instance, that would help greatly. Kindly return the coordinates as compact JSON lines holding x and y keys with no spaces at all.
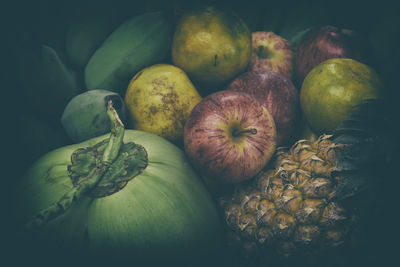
{"x":93,"y":178}
{"x":116,"y":137}
{"x":238,"y":133}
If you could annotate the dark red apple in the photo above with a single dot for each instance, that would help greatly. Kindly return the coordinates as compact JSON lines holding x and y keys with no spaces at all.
{"x":278,"y":94}
{"x":229,"y":136}
{"x":325,"y":42}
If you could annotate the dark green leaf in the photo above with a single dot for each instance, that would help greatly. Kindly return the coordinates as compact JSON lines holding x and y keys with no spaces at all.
{"x":368,"y":138}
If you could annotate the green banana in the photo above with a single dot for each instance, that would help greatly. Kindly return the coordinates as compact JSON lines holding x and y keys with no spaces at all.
{"x":47,"y":84}
{"x":86,"y":33}
{"x":139,"y":42}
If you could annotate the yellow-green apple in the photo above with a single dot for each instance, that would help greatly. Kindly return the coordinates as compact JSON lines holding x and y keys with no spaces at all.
{"x":271,"y":52}
{"x":278,"y":94}
{"x":229,"y":136}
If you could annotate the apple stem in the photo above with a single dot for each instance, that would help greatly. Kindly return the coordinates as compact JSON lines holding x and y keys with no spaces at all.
{"x":262,"y":52}
{"x":238,"y":133}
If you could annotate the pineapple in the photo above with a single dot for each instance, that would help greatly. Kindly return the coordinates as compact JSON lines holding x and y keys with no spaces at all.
{"x":291,"y":206}
{"x":313,"y":195}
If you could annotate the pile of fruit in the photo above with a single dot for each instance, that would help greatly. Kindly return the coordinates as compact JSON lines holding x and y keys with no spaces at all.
{"x":194,"y":135}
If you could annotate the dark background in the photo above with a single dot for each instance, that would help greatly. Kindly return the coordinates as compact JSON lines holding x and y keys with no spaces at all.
{"x":32,"y":23}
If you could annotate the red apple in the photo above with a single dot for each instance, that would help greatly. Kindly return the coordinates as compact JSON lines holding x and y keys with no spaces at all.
{"x":325,"y":42}
{"x":229,"y":136}
{"x":278,"y":94}
{"x":271,"y":52}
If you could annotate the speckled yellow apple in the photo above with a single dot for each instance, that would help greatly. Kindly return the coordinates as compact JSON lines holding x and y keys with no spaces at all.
{"x":159,"y":99}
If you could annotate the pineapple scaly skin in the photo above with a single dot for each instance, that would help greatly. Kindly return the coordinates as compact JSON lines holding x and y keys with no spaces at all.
{"x":291,"y":206}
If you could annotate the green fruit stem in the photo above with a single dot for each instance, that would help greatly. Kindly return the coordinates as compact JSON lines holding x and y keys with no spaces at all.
{"x":93,"y":178}
{"x":116,"y":137}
